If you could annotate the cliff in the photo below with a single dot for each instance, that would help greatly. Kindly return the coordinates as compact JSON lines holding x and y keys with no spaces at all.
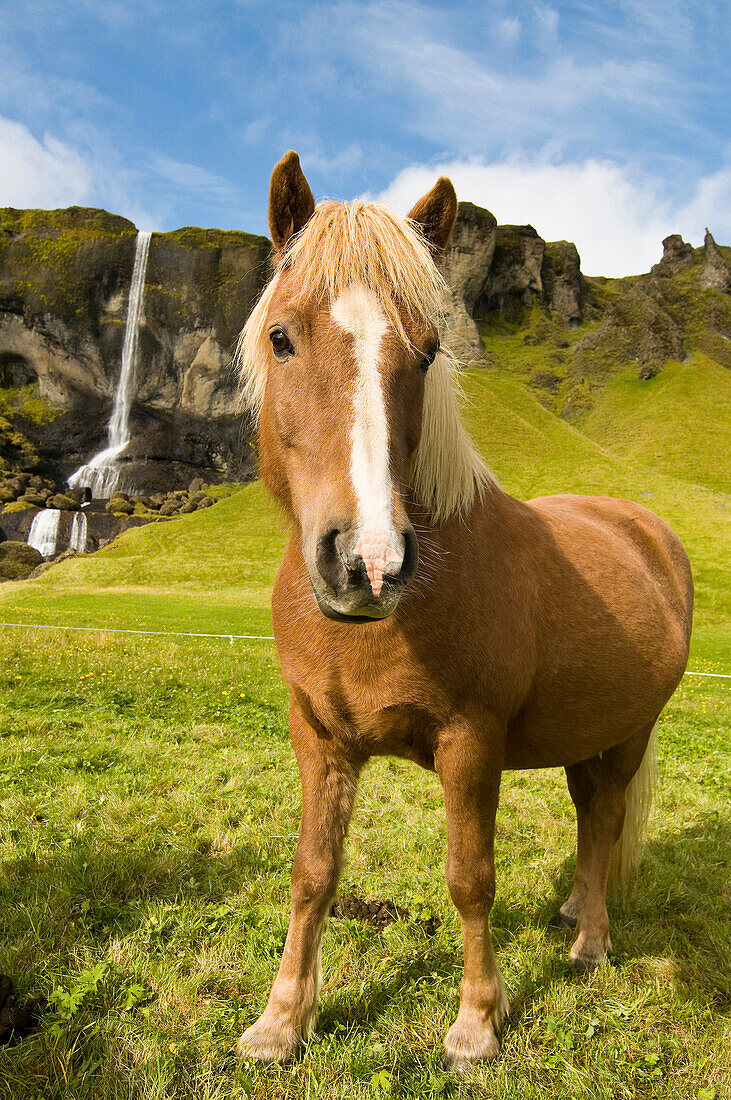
{"x":64,"y":282}
{"x":515,"y":301}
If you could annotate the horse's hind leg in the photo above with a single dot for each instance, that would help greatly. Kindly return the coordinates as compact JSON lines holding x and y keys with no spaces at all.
{"x":583,"y":779}
{"x":606,"y":817}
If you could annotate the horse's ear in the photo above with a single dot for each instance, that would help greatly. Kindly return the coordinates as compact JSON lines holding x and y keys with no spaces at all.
{"x":435,"y":213}
{"x":290,"y":200}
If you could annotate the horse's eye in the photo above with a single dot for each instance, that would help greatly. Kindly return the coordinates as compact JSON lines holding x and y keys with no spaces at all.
{"x":429,"y":357}
{"x":281,"y":343}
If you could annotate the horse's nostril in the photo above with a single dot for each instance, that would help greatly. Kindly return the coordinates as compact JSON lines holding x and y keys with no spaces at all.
{"x":411,"y":555}
{"x":329,"y":562}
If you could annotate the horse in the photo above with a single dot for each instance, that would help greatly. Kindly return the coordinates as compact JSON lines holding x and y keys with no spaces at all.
{"x":423,"y":612}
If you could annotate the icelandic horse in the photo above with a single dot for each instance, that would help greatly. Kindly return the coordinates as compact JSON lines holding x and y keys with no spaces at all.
{"x":533,"y":635}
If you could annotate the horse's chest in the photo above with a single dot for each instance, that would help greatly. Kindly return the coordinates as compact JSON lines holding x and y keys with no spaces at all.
{"x":376,"y":709}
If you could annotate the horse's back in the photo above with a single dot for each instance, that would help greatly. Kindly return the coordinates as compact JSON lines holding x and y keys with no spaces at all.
{"x":616,"y":529}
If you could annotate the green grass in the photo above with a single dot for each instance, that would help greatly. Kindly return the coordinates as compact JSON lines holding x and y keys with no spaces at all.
{"x":678,"y":422}
{"x":150,"y":812}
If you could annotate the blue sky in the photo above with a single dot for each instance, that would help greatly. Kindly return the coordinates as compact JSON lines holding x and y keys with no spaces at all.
{"x":604,"y":123}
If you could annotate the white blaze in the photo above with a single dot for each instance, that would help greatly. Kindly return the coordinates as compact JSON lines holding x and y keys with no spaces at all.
{"x":358,"y":311}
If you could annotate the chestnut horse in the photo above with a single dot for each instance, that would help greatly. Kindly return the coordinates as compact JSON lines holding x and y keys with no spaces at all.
{"x":421,"y":611}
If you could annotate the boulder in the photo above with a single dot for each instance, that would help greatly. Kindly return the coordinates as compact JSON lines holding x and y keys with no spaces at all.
{"x":63,"y":501}
{"x":120,"y":506}
{"x":38,"y":500}
{"x":46,"y":565}
{"x":170,"y":508}
{"x":196,"y":485}
{"x":716,"y":272}
{"x":18,"y":560}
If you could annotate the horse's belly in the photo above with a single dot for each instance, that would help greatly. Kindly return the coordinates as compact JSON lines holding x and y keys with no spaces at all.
{"x":613,"y":639}
{"x":576,"y":728}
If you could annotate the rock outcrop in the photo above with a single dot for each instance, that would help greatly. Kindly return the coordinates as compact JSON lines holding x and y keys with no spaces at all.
{"x":716,"y":273}
{"x":564,"y":288}
{"x":635,"y":328}
{"x":465,"y":266}
{"x":505,"y":270}
{"x":676,"y":255}
{"x":514,"y":280}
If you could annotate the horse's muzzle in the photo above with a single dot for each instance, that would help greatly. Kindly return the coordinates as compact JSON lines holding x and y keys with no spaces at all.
{"x":341,"y":583}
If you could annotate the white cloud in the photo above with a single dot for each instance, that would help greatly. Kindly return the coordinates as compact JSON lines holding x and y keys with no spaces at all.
{"x":45,"y":173}
{"x":617,"y":218}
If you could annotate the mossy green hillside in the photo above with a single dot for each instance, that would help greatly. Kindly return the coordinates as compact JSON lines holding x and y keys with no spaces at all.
{"x":635,"y":324}
{"x":62,"y":262}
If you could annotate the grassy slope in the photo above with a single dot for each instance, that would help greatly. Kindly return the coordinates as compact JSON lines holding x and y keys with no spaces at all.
{"x":212,"y":570}
{"x":150,"y":813}
{"x":678,"y":422}
{"x":208,"y":571}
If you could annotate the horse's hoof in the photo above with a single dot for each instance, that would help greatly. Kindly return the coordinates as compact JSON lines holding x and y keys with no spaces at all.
{"x":561,"y":921}
{"x":475,"y":1037}
{"x":463,"y":1049}
{"x":587,"y":956}
{"x":455,"y":1063}
{"x":266,"y":1042}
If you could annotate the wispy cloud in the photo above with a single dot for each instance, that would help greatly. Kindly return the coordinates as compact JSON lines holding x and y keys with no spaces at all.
{"x":194,"y":180}
{"x":40,"y":172}
{"x":47,"y":172}
{"x":469,"y":99}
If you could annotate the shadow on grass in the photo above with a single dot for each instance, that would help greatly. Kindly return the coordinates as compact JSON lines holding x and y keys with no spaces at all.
{"x":678,"y":908}
{"x":678,"y":911}
{"x":93,"y":894}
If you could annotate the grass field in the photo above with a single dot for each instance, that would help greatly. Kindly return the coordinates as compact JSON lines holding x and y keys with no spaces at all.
{"x":150,"y":810}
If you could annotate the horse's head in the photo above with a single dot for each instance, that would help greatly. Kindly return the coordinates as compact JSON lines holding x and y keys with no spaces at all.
{"x":335,"y":357}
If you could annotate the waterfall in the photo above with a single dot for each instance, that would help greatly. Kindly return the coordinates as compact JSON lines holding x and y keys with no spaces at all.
{"x":78,"y":533}
{"x":44,"y":531}
{"x":101,"y":473}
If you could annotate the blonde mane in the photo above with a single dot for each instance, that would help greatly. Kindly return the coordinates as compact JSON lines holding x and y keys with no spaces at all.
{"x":364,"y":243}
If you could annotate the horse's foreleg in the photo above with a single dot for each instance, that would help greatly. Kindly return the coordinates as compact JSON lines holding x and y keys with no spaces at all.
{"x":471,"y":790}
{"x":328,"y":789}
{"x":582,"y":782}
{"x":618,"y":765}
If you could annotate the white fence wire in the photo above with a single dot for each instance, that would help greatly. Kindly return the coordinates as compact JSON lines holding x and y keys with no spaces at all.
{"x":231,"y":637}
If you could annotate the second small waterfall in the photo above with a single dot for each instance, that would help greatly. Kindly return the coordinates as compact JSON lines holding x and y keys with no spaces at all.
{"x":77,"y":540}
{"x":101,"y":473}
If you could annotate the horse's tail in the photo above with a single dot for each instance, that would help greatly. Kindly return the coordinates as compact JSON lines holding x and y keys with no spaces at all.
{"x":627,"y":853}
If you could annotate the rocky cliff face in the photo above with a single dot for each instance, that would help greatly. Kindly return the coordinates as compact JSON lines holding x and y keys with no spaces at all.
{"x":504,"y":270}
{"x":64,"y":282}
